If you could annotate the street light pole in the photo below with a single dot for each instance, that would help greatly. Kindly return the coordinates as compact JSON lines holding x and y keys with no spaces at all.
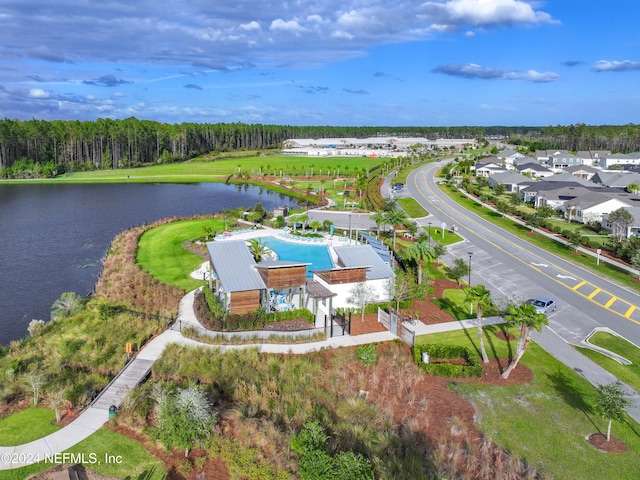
{"x":429,"y":233}
{"x":470,"y":253}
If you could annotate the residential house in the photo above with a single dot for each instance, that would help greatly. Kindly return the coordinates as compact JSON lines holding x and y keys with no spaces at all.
{"x":560,"y":160}
{"x":534,"y":170}
{"x":593,"y":158}
{"x":632,"y":230}
{"x":585,"y":172}
{"x":507,"y":156}
{"x":591,"y":206}
{"x":511,"y":181}
{"x":555,"y":193}
{"x":488,"y":169}
{"x":616,"y":179}
{"x":625,"y":159}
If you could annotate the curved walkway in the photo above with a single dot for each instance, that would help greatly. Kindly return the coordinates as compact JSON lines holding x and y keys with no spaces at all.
{"x":133,"y":374}
{"x":137,"y":370}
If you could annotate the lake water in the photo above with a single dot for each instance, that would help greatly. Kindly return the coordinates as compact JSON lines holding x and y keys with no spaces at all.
{"x":54,"y":237}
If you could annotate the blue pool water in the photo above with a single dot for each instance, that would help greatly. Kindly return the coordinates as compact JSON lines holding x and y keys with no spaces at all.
{"x":317,"y":255}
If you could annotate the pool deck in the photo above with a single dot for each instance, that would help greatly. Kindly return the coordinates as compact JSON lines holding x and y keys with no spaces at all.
{"x":326,"y":239}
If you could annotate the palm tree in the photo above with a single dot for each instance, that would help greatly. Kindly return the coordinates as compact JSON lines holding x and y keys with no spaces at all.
{"x":420,"y":251}
{"x":395,"y":218}
{"x":378,"y":217}
{"x":481,"y":297}
{"x":258,"y":249}
{"x":528,"y":318}
{"x":315,"y":224}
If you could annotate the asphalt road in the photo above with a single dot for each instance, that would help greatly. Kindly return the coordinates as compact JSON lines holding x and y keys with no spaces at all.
{"x":511,"y":267}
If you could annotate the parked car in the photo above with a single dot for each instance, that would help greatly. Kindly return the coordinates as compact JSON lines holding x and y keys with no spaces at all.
{"x":543,"y":304}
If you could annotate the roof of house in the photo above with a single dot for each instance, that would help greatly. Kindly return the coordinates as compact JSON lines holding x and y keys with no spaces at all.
{"x":235,"y":266}
{"x":567,"y":177}
{"x":580,"y":168}
{"x":591,"y":199}
{"x":509,"y":152}
{"x":532,"y":166}
{"x":510,"y":178}
{"x":593,"y":154}
{"x":616,"y":179}
{"x":364,"y":256}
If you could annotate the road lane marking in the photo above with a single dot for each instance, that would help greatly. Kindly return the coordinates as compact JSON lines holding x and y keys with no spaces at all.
{"x":579,"y":285}
{"x":630,"y":311}
{"x":610,"y":302}
{"x":594,"y":293}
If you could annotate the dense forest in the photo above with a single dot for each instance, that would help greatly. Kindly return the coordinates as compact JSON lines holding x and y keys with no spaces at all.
{"x":43,"y":148}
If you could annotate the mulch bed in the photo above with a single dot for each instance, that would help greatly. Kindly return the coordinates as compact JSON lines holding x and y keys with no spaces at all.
{"x":614,"y":445}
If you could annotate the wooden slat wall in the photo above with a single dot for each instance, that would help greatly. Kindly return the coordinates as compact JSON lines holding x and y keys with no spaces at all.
{"x":351,"y":275}
{"x":284,"y":277}
{"x":247,"y":301}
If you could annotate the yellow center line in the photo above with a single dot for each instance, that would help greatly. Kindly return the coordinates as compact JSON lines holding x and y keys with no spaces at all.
{"x":579,"y":285}
{"x":594,"y":293}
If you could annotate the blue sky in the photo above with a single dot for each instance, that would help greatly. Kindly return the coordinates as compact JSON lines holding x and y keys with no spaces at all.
{"x":322,"y":62}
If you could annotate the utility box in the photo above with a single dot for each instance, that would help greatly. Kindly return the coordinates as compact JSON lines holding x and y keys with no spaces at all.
{"x":425,"y":357}
{"x":113,"y":411}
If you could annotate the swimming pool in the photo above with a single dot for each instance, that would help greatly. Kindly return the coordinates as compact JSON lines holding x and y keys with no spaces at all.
{"x":317,"y":255}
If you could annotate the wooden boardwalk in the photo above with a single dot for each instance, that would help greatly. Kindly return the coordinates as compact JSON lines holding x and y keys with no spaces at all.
{"x":129,"y":378}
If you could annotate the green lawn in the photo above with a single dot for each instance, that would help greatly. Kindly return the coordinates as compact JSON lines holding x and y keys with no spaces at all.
{"x":40,"y":422}
{"x":201,"y":170}
{"x":545,"y":422}
{"x":412,"y":207}
{"x":108,"y":453}
{"x":160,"y":251}
{"x":629,"y":374}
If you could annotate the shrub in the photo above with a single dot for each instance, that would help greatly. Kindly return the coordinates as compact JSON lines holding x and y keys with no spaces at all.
{"x":35,"y":327}
{"x":436,"y":352}
{"x":367,"y":354}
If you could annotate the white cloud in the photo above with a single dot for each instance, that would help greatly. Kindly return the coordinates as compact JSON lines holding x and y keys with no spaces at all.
{"x":251,"y":26}
{"x":290,"y":26}
{"x":486,"y":13}
{"x":472,"y":71}
{"x":615,"y":66}
{"x":38,"y":93}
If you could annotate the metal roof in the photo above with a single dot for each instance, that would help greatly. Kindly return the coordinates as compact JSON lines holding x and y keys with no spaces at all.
{"x":281,"y":264}
{"x":364,"y":256}
{"x":235,"y":266}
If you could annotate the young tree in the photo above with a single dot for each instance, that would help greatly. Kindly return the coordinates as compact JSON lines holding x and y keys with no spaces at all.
{"x":481,"y":297}
{"x":185,"y":419}
{"x":399,"y":287}
{"x":460,"y":269}
{"x":611,"y":400}
{"x":528,"y":318}
{"x":35,"y":380}
{"x":620,"y":220}
{"x":360,"y":295}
